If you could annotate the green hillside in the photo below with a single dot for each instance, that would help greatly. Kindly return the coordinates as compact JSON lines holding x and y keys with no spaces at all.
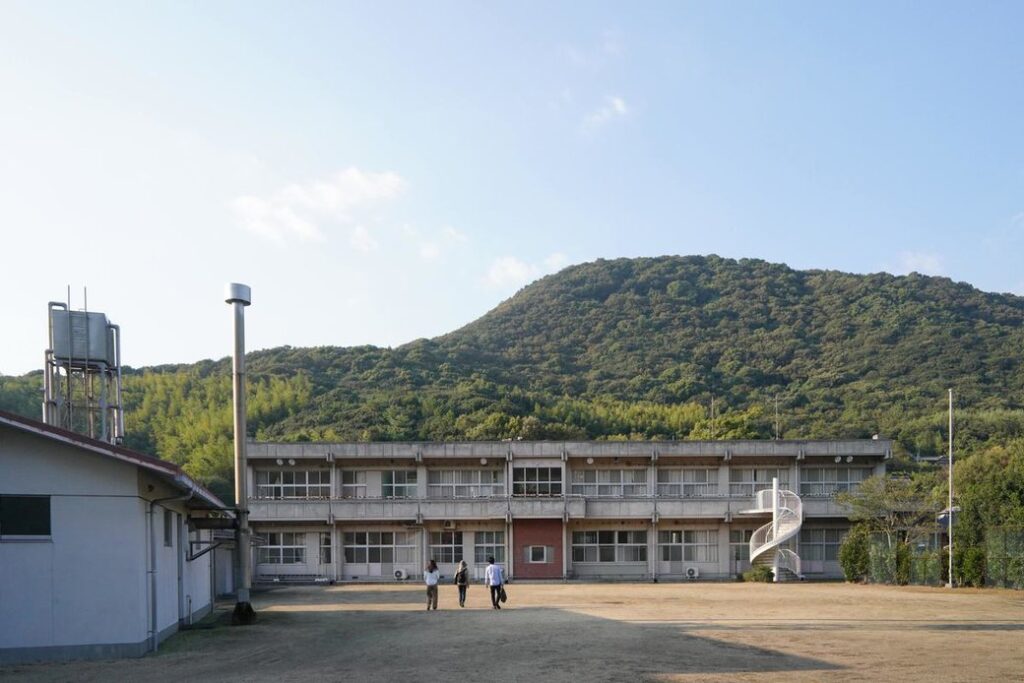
{"x":630,"y":348}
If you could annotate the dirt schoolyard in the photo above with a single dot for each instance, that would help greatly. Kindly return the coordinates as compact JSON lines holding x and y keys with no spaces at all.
{"x":592,"y":632}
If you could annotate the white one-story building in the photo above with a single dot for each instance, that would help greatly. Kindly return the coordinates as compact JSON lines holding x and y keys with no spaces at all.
{"x":99,"y":551}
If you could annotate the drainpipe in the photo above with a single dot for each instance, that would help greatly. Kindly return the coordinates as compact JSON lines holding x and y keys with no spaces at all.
{"x":153,"y":635}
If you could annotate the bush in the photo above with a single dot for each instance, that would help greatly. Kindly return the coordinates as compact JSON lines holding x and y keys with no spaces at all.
{"x":854,"y":556}
{"x":972,"y":567}
{"x":759,"y":573}
{"x":902,"y":564}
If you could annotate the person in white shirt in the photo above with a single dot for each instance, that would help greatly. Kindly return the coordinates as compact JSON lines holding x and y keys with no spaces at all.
{"x":494,"y":579}
{"x":431,"y":576}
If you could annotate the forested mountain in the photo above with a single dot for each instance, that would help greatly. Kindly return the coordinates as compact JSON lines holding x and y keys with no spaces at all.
{"x":629,"y":348}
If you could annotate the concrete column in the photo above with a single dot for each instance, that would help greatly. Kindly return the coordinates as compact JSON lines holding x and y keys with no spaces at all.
{"x":565,"y":550}
{"x":652,"y":480}
{"x":794,"y":477}
{"x":652,"y":550}
{"x":336,"y":551}
{"x":723,"y":479}
{"x":510,"y":555}
{"x":724,"y":559}
{"x":468,"y":547}
{"x":421,"y":481}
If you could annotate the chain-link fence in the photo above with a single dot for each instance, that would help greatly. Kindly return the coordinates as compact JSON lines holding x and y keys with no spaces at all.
{"x":898,"y":562}
{"x":1004,"y":558}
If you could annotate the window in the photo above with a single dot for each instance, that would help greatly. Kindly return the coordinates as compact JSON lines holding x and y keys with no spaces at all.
{"x":820,"y":544}
{"x":465,"y":483}
{"x":398,"y":484}
{"x":325,"y":547}
{"x":168,"y":528}
{"x":614,"y":483}
{"x":353,"y":484}
{"x":489,"y":544}
{"x":537,"y":481}
{"x":739,"y":544}
{"x":446,"y":546}
{"x":688,"y":545}
{"x":540,"y":554}
{"x":24,"y":515}
{"x":688,"y":482}
{"x":745,"y":481}
{"x":828,"y":481}
{"x":283,"y":548}
{"x":609,"y":546}
{"x":293,"y":484}
{"x":379,"y":547}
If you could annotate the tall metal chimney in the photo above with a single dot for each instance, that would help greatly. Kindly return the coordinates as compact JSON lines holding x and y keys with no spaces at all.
{"x":240,"y":296}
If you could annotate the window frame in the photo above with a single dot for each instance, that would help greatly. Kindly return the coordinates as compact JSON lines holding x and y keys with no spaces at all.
{"x":684,"y":482}
{"x":446,"y":547}
{"x":609,"y":546}
{"x":626,"y":482}
{"x":488,"y":544}
{"x":400,"y":546}
{"x":408,"y":484}
{"x":15,"y":512}
{"x":465,"y":483}
{"x":283,"y":483}
{"x":283,"y":547}
{"x":839,"y":479}
{"x":527,"y":481}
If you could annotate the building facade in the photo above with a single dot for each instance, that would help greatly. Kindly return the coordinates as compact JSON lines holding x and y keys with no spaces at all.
{"x":545,"y":510}
{"x":99,"y":551}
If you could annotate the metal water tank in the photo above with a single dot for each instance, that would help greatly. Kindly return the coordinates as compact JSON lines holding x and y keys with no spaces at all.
{"x":81,"y":338}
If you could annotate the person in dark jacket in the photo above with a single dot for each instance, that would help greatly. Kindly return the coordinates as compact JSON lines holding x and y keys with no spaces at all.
{"x":462,"y":581}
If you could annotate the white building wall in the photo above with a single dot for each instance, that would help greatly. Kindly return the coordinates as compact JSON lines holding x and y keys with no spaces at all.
{"x":197,"y":584}
{"x":86,"y":584}
{"x":85,"y":590}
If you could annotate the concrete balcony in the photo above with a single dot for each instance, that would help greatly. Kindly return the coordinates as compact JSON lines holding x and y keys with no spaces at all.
{"x":712,"y":507}
{"x":578,"y":507}
{"x":263,"y":510}
{"x":555,"y":506}
{"x":823,"y":507}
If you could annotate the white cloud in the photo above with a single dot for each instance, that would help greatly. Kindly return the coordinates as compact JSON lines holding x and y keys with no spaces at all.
{"x":608,"y":48}
{"x":555,"y":262}
{"x":429,"y":251}
{"x":362,"y":240}
{"x":1018,"y":220}
{"x":453,"y":235}
{"x":299,"y":211}
{"x":926,"y":263}
{"x":509,"y":272}
{"x":614,"y":107}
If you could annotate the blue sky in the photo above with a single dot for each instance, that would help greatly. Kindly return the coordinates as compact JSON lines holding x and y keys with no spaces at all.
{"x":379,"y":172}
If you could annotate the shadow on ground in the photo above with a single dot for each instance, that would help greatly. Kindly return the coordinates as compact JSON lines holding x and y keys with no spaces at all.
{"x":297,"y":641}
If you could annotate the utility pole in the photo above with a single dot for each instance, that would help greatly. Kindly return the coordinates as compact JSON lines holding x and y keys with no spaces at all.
{"x":240,"y":296}
{"x":712,"y":418}
{"x":949,"y":507}
{"x":776,"y":417}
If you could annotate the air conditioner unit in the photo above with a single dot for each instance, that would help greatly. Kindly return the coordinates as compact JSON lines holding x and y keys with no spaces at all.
{"x":449,"y":524}
{"x":691,"y":573}
{"x":401,"y":575}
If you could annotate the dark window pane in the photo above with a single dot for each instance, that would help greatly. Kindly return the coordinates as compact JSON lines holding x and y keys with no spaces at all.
{"x":24,"y":515}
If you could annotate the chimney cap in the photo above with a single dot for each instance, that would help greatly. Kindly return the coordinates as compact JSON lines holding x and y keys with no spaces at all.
{"x":235,"y":292}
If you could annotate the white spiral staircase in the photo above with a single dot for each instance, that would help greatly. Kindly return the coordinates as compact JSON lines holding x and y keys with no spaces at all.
{"x":766,"y":542}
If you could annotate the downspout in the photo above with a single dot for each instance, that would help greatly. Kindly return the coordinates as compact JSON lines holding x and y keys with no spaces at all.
{"x":151,"y":571}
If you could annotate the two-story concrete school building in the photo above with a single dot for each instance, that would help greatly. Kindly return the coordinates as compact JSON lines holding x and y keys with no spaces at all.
{"x":546,"y":510}
{"x":97,"y":556}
